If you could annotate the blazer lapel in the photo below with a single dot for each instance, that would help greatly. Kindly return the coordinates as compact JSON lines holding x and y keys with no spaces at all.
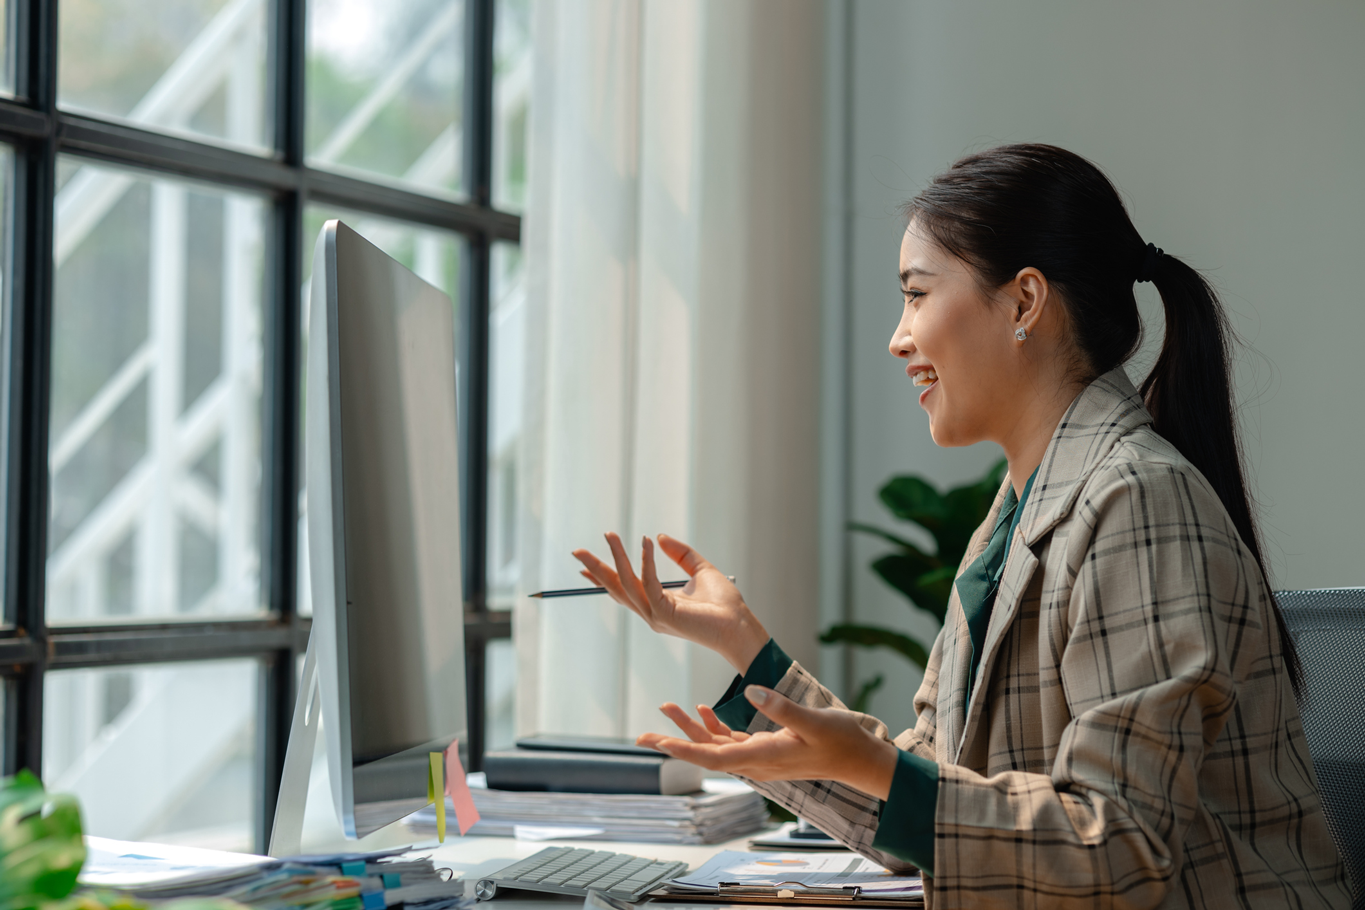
{"x":1106,"y":410}
{"x":957,"y":650}
{"x":1014,"y":582}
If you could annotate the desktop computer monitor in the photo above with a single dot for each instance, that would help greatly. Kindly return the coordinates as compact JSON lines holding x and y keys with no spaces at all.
{"x":385,"y":669}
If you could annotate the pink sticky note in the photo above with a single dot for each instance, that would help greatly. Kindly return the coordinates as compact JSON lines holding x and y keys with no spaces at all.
{"x":458,"y":790}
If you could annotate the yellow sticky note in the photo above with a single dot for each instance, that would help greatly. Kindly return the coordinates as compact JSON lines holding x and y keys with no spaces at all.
{"x":436,"y":791}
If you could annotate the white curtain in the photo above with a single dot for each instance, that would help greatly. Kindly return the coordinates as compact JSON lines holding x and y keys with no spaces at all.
{"x":673,"y":245}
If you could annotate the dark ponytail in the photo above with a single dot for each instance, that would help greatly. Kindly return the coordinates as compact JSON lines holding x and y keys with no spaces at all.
{"x":1016,"y":206}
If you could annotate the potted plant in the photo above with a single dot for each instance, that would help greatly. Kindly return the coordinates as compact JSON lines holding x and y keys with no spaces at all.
{"x":926,"y":579}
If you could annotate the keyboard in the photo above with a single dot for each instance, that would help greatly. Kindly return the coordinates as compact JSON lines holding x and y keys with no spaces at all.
{"x":570,"y":870}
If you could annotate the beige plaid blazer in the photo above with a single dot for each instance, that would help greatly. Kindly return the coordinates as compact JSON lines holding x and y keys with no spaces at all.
{"x":1132,"y":739}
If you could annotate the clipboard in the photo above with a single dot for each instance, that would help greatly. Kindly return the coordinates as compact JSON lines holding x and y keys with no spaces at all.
{"x":835,"y":879}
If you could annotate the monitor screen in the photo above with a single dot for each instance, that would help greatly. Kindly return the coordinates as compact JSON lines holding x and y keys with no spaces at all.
{"x":383,"y":526}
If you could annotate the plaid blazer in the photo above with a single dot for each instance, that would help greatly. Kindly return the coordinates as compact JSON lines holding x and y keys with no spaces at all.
{"x":1132,"y":738}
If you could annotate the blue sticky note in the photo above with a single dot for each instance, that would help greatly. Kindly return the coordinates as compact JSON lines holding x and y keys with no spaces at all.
{"x":392,"y":880}
{"x":374,"y":900}
{"x":353,"y":868}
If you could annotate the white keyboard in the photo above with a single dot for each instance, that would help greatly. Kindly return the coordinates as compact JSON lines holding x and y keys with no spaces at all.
{"x":569,"y":870}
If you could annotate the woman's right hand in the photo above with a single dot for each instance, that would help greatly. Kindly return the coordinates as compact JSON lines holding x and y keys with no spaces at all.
{"x":709,"y":610}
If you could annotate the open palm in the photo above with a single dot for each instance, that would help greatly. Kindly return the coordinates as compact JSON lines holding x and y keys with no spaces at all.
{"x":812,"y":744}
{"x":709,"y":610}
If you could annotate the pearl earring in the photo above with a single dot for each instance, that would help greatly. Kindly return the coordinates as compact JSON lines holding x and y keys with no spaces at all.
{"x":1020,"y":334}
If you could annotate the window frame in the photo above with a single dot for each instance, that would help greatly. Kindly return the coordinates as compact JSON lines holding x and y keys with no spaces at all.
{"x":38,"y":131}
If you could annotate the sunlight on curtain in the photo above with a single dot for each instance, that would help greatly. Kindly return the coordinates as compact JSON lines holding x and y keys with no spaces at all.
{"x":672,"y":241}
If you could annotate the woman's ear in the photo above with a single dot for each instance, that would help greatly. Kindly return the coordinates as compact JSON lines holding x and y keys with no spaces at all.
{"x":1030,"y":294}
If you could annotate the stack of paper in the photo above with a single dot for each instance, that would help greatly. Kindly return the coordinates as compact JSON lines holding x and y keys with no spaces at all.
{"x":724,"y":809}
{"x":344,"y":881}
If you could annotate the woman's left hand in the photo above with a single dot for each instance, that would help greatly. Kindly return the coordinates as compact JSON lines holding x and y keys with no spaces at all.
{"x":813,"y":744}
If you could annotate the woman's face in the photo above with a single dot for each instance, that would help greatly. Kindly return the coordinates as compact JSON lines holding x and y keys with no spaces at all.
{"x":958,"y":345}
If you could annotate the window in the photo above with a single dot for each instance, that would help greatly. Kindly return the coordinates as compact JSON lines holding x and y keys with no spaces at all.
{"x":165,"y":166}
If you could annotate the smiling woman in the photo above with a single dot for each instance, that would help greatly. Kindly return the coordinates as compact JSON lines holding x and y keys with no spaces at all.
{"x":1109,"y":713}
{"x":964,"y":344}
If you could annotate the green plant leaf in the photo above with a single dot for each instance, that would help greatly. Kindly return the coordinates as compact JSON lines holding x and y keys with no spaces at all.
{"x":926,"y":562}
{"x":926,"y":581}
{"x":936,"y":587}
{"x":911,"y":498}
{"x":966,"y":507}
{"x":906,"y":575}
{"x":864,"y":696}
{"x":875,"y":637}
{"x":41,"y":849}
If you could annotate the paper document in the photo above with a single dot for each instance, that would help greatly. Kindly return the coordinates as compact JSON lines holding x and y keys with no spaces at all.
{"x":121,"y":864}
{"x":813,"y":870}
{"x":553,"y":832}
{"x":376,"y":879}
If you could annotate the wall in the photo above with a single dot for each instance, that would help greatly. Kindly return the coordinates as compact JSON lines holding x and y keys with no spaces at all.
{"x":1235,"y":131}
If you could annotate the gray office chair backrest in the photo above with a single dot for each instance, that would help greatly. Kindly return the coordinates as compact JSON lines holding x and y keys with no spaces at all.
{"x":1328,"y":626}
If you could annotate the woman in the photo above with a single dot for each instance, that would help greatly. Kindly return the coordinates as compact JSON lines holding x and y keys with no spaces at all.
{"x":1108,"y":716}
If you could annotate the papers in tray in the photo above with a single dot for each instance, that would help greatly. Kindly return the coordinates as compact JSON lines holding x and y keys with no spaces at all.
{"x":343,"y":881}
{"x":158,"y":868}
{"x":747,"y":873}
{"x":723,"y":810}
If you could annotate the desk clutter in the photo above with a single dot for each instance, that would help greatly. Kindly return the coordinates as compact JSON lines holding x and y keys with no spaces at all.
{"x":596,"y":788}
{"x":342,"y":881}
{"x":804,"y":878}
{"x":721,"y":810}
{"x":728,"y":877}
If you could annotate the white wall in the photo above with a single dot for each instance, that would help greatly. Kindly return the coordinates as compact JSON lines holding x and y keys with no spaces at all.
{"x":1235,"y":130}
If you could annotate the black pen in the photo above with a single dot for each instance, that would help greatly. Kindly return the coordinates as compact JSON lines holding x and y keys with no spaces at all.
{"x":581,"y":592}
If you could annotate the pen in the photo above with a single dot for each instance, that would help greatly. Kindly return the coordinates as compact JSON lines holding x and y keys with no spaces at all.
{"x":580,"y":592}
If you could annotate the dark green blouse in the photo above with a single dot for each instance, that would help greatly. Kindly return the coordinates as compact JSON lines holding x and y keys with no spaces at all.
{"x":906,"y":829}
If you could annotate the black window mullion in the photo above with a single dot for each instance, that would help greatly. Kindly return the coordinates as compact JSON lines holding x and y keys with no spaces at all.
{"x":280,"y":500}
{"x":473,"y":419}
{"x":478,"y":101}
{"x":71,"y":647}
{"x":28,"y":334}
{"x":281,"y":416}
{"x":287,"y":46}
{"x":474,"y":328}
{"x":280,"y":496}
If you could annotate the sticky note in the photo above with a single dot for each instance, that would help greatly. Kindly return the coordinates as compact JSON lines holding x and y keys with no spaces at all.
{"x":374,"y":900}
{"x":392,"y":880}
{"x":356,"y":868}
{"x":457,"y":788}
{"x":436,"y":792}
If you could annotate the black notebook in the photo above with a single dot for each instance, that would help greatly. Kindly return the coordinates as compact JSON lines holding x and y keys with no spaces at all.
{"x":564,"y":764}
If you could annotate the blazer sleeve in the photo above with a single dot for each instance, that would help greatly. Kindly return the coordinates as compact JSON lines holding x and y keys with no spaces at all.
{"x":1162,"y":590}
{"x":848,"y":815}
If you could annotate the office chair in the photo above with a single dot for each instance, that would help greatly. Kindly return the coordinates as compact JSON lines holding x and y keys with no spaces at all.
{"x":1328,"y":626}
